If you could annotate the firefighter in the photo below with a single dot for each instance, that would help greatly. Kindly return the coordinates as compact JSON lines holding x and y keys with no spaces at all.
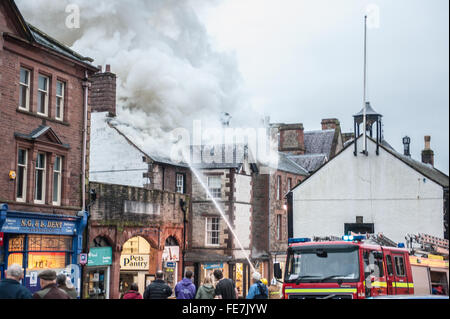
{"x":274,"y":290}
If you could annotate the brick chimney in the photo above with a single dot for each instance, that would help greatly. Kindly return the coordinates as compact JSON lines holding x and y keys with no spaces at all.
{"x":103,"y":91}
{"x":427,"y":153}
{"x":292,"y":139}
{"x":330,"y":124}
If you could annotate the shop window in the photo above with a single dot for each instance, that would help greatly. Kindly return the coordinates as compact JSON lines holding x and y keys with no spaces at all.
{"x":43,"y":251}
{"x":24,"y":95}
{"x":39,"y":189}
{"x":21,"y":181}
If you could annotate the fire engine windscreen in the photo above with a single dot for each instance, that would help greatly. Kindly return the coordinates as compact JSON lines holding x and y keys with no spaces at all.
{"x":322,"y":264}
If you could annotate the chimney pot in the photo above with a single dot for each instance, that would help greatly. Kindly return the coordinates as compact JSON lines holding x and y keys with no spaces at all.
{"x":108,"y":68}
{"x":100,"y":68}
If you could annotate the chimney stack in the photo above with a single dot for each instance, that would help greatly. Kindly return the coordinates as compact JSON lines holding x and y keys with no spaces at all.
{"x":292,"y":139}
{"x":330,"y":124}
{"x":427,"y":153}
{"x":103,"y":91}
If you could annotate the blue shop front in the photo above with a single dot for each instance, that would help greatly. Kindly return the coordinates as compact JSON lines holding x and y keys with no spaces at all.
{"x":40,"y":241}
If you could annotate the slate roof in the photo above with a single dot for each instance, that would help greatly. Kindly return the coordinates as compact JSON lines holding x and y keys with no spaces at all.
{"x":205,"y":154}
{"x":286,"y":164}
{"x":425,"y":169}
{"x":53,"y":44}
{"x":319,"y":142}
{"x":310,"y":162}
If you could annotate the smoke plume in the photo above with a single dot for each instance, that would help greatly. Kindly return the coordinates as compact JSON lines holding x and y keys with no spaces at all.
{"x":168,"y":72}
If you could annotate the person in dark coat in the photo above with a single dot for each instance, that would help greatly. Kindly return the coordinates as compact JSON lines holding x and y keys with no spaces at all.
{"x":133,"y":293}
{"x":49,"y":288}
{"x":10,"y":287}
{"x":65,"y":284}
{"x":185,"y":289}
{"x":158,"y":289}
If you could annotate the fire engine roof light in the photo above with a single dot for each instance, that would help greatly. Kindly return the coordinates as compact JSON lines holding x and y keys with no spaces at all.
{"x":299,"y":240}
{"x":401,"y":245}
{"x":352,"y":238}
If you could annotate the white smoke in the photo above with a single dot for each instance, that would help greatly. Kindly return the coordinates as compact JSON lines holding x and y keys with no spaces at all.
{"x":168,"y":73}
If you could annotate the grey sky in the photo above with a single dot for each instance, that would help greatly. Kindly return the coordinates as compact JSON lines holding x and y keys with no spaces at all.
{"x":302,"y":60}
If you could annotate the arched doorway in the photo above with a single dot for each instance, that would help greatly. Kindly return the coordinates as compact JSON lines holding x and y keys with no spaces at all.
{"x":135,"y":264}
{"x":171,"y":261}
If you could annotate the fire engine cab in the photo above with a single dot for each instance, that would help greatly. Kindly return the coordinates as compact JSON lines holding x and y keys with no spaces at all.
{"x":345,"y":268}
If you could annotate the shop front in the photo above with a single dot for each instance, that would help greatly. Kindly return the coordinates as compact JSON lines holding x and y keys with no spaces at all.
{"x":135,"y":262}
{"x":98,"y":273}
{"x":38,"y":241}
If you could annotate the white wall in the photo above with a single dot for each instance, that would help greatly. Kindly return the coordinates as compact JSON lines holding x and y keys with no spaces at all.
{"x":382,"y":189}
{"x":112,"y":159}
{"x":242,"y":212}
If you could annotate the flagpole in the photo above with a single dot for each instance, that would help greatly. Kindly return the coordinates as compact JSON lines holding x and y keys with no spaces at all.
{"x":365,"y":87}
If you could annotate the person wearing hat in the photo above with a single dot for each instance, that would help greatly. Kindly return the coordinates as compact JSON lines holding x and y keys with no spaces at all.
{"x":258,"y":290}
{"x":49,"y":288}
{"x":65,"y":284}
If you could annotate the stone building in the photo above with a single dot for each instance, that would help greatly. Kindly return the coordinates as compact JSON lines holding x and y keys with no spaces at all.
{"x":142,"y":204}
{"x":144,"y":231}
{"x":44,"y":93}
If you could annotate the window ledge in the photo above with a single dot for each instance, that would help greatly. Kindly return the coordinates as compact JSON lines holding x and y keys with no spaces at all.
{"x":40,"y":116}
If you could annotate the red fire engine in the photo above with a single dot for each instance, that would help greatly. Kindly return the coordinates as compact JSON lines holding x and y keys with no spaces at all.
{"x":345,"y":268}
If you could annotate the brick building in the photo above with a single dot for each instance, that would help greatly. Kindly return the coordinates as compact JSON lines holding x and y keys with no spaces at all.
{"x":43,"y":105}
{"x":142,"y":203}
{"x":300,"y":154}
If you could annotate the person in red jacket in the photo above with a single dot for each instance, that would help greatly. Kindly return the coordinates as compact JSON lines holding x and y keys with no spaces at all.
{"x":133,"y":293}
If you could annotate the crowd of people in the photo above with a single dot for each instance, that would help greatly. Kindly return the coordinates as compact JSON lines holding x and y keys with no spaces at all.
{"x":214,"y":286}
{"x":53,"y":286}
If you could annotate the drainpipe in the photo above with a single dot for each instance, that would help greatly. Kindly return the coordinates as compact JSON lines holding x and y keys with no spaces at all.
{"x":86,"y":86}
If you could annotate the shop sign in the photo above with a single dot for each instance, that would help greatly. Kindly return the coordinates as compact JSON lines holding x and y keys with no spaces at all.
{"x":100,"y":256}
{"x":134,"y":262}
{"x":170,"y":264}
{"x":213,"y":266}
{"x":171,"y":253}
{"x":38,"y":226}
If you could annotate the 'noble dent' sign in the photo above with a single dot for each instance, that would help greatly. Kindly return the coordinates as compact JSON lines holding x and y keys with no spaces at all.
{"x":38,"y":226}
{"x":134,"y":262}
